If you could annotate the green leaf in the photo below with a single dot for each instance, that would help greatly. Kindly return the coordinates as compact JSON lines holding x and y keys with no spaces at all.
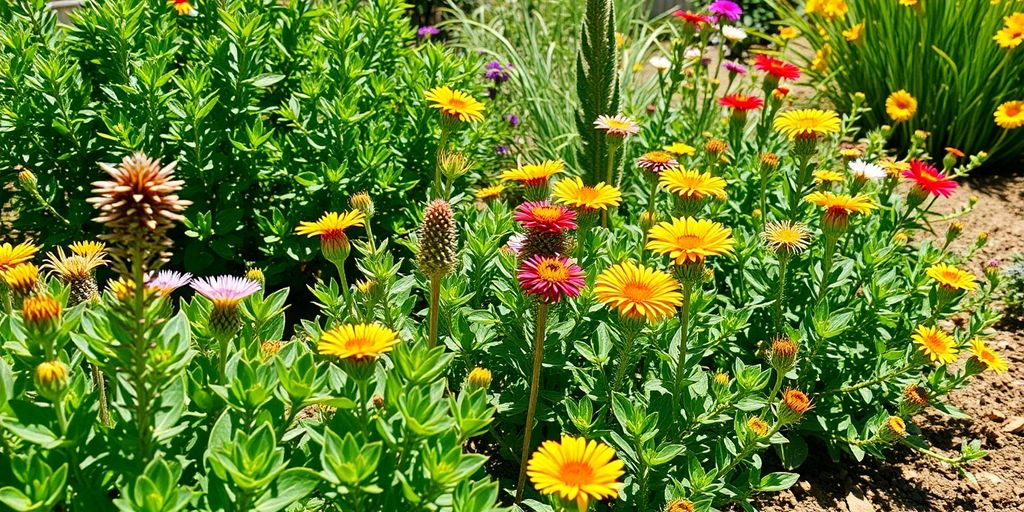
{"x":780,"y":481}
{"x":290,"y":486}
{"x":793,"y":453}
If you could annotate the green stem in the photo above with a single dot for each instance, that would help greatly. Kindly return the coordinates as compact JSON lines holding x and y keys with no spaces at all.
{"x":826,"y":268}
{"x":934,"y":455}
{"x":345,"y":292}
{"x":627,"y":351}
{"x":141,"y":349}
{"x":654,"y":194}
{"x":684,"y":335}
{"x":863,"y":384}
{"x":764,"y":200}
{"x":363,"y":414}
{"x":747,"y":450}
{"x":611,"y":165}
{"x":798,"y":188}
{"x":222,"y":358}
{"x":101,"y":389}
{"x":779,"y":376}
{"x":780,"y":294}
{"x":435,"y":299}
{"x":538,"y":361}
{"x":46,"y":206}
{"x":62,"y":419}
{"x":369,"y":234}
{"x":8,"y":304}
{"x":441,"y":145}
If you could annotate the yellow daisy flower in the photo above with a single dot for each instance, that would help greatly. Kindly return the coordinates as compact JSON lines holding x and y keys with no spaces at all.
{"x":87,"y":249}
{"x":841,"y":204}
{"x":455,"y":104}
{"x":638,"y":292}
{"x":680,"y":149}
{"x":951,"y":277}
{"x":358,"y":342}
{"x":787,"y":32}
{"x":937,"y":345}
{"x":690,"y":240}
{"x":11,"y":255}
{"x":574,"y":194}
{"x":988,"y":357}
{"x":827,"y":177}
{"x":786,"y":237}
{"x":807,"y":123}
{"x":534,"y":174}
{"x":490,"y":193}
{"x":1010,"y":115}
{"x":576,"y":469}
{"x":853,"y":33}
{"x":900,"y":106}
{"x":22,"y":278}
{"x":692,"y":184}
{"x":332,"y":225}
{"x":828,"y":9}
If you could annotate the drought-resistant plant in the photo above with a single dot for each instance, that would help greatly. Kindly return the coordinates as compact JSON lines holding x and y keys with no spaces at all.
{"x":273,"y":112}
{"x":956,"y":64}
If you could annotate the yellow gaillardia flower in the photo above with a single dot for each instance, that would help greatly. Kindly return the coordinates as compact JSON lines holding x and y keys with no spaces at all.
{"x":576,"y":470}
{"x":331,"y":230}
{"x":690,"y":240}
{"x":894,"y":169}
{"x":455,"y":104}
{"x":359,"y":342}
{"x":758,"y":426}
{"x":491,"y":193}
{"x":23,"y":278}
{"x":88,"y":249}
{"x":638,"y":292}
{"x":574,"y":194}
{"x":11,"y":255}
{"x":681,"y":149}
{"x":900,"y":106}
{"x":1010,"y":115}
{"x":787,"y":32}
{"x":827,"y":177}
{"x":985,"y":358}
{"x":821,"y":55}
{"x":786,"y":237}
{"x":951,"y":278}
{"x":692,"y":185}
{"x":1012,"y":33}
{"x":936,"y":344}
{"x":828,"y":9}
{"x":853,"y":33}
{"x":533,"y":175}
{"x":807,"y":123}
{"x":838,"y":208}
{"x":479,"y":378}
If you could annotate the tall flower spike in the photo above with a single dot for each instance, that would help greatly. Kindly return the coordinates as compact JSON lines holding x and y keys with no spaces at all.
{"x":139,"y":205}
{"x":438,"y":239}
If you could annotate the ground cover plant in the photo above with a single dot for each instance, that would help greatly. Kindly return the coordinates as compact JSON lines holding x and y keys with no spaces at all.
{"x":640,"y":330}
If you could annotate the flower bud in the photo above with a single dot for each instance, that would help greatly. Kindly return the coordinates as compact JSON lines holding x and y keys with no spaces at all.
{"x":720,"y":384}
{"x":270,"y":348}
{"x":363,"y":203}
{"x":757,"y":427}
{"x":40,"y":314}
{"x":680,"y":505}
{"x":256,"y":274}
{"x":769,"y":162}
{"x":894,"y":428}
{"x":28,"y":181}
{"x":991,"y":269}
{"x":378,"y":402}
{"x":51,"y":380}
{"x":453,"y":164}
{"x":23,"y":279}
{"x":915,"y":398}
{"x":782,"y":355}
{"x":794,"y":404}
{"x":479,"y":378}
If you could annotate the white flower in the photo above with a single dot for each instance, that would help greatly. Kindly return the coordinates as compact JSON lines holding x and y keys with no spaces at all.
{"x":733,"y":33}
{"x":515,"y":243}
{"x":692,"y":53}
{"x":660,"y":63}
{"x":864,"y":170}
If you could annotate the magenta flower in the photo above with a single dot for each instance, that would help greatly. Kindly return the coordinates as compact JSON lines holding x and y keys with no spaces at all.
{"x":545,"y":217}
{"x":550,"y":278}
{"x":734,"y":67}
{"x":166,"y":281}
{"x":726,"y":8}
{"x":427,"y":31}
{"x":225,"y":291}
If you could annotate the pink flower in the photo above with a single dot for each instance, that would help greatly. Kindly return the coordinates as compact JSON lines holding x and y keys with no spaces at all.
{"x":550,"y":278}
{"x":225,"y":291}
{"x":929,"y":179}
{"x":545,"y":217}
{"x":166,"y":281}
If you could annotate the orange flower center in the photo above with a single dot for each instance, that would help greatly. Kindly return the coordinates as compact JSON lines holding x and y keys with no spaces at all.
{"x":1012,"y":110}
{"x":636,"y":292}
{"x":576,"y":474}
{"x":587,"y":194}
{"x":934,"y":344}
{"x":687,"y":242}
{"x":358,"y":343}
{"x":553,"y":272}
{"x":547,"y":213}
{"x":456,"y":104}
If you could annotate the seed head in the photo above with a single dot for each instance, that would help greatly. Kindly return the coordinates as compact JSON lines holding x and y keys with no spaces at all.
{"x":438,"y":239}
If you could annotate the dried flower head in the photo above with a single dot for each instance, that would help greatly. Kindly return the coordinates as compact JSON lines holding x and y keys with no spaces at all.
{"x":438,"y":240}
{"x":76,"y":269}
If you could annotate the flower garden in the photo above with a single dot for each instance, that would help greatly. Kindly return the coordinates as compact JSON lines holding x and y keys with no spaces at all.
{"x":543,"y":256}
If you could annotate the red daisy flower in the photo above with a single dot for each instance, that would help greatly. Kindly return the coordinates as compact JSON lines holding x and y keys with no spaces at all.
{"x":545,"y":217}
{"x":550,"y":278}
{"x":776,"y":68}
{"x":929,"y":179}
{"x":689,"y":17}
{"x":741,"y":102}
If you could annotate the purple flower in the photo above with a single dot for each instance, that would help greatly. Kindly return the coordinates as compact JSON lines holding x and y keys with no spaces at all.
{"x":502,"y":150}
{"x":497,"y":72}
{"x":225,"y":291}
{"x":734,"y":67}
{"x":166,"y":281}
{"x":726,"y":8}
{"x":516,"y":242}
{"x":427,"y":31}
{"x":513,"y":120}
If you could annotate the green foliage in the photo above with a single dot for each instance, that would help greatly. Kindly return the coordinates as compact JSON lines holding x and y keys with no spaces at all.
{"x":273,"y":112}
{"x":597,"y":85}
{"x":943,"y":53}
{"x":1012,"y":277}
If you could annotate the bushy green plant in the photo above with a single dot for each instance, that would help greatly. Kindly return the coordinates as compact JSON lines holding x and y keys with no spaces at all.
{"x":272,"y":111}
{"x":943,"y":53}
{"x":1012,"y":277}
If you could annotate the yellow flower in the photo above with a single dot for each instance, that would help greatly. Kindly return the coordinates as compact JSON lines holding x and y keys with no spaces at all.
{"x":534,"y":174}
{"x":690,"y":240}
{"x":619,"y":39}
{"x":638,"y":292}
{"x":13,"y":255}
{"x":332,"y":225}
{"x":853,"y":33}
{"x":479,"y":378}
{"x":1010,"y":115}
{"x":692,"y":184}
{"x":787,"y":32}
{"x":1012,"y":33}
{"x":825,"y":176}
{"x":455,"y":104}
{"x":87,"y":249}
{"x":786,"y":237}
{"x":22,"y":278}
{"x":894,"y":169}
{"x":908,"y":3}
{"x":937,"y":345}
{"x":821,"y":56}
{"x":757,"y":426}
{"x":576,"y":469}
{"x":359,"y":342}
{"x":841,"y":204}
{"x":807,"y":123}
{"x":827,"y":8}
{"x":490,"y":193}
{"x":988,"y":357}
{"x":951,"y":277}
{"x":573,"y":193}
{"x":900,"y":106}
{"x":680,"y":149}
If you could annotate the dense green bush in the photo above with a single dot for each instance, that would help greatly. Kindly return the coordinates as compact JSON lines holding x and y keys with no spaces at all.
{"x":274,"y":112}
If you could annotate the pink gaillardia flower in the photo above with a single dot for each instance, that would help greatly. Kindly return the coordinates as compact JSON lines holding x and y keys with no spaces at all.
{"x":734,"y":67}
{"x":928,"y":180}
{"x":550,"y":278}
{"x":166,"y":281}
{"x":545,"y":217}
{"x":617,"y":125}
{"x":225,"y":292}
{"x":726,"y":9}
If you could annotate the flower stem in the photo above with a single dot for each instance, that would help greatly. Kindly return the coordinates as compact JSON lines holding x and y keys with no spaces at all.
{"x":222,"y":358}
{"x":363,"y":416}
{"x":8,"y":305}
{"x":627,"y":351}
{"x":684,"y":322}
{"x":345,"y":292}
{"x":826,"y":269}
{"x":435,"y":299}
{"x":538,"y":361}
{"x":780,"y":294}
{"x":101,"y":389}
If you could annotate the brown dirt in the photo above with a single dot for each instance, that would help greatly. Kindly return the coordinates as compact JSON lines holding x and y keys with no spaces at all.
{"x":911,"y":482}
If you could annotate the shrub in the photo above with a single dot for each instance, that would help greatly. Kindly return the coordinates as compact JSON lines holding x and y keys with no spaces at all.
{"x":272,"y":112}
{"x":944,"y":55}
{"x":1013,"y":285}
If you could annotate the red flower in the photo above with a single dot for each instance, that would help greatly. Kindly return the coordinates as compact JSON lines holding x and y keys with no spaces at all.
{"x":776,"y":67}
{"x":929,"y":179}
{"x":741,"y":102}
{"x":545,"y":217}
{"x":550,"y":278}
{"x":689,"y":17}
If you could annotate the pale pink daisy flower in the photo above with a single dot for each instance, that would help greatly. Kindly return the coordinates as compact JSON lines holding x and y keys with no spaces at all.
{"x":617,"y":125}
{"x":166,"y":281}
{"x":225,"y":291}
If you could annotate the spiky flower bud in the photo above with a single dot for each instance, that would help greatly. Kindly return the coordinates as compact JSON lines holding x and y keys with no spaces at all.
{"x":914,"y":399}
{"x":270,"y":348}
{"x":541,"y":243}
{"x":51,"y":380}
{"x":378,"y":402}
{"x":362,"y":202}
{"x":953,"y":230}
{"x":720,"y":384}
{"x":23,"y":279}
{"x":479,"y":378}
{"x":76,"y":269}
{"x":40,"y":314}
{"x":256,"y":274}
{"x":139,"y":205}
{"x":757,"y":427}
{"x":679,"y":505}
{"x":28,"y":181}
{"x":794,"y":404}
{"x":782,"y":355}
{"x":894,"y":428}
{"x":453,"y":164}
{"x":438,"y":239}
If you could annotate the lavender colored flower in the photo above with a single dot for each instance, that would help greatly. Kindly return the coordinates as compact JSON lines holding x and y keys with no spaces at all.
{"x":427,"y":31}
{"x":513,"y":120}
{"x":726,"y":9}
{"x":225,"y":291}
{"x":502,"y":150}
{"x":166,"y":281}
{"x":515,"y":243}
{"x":734,"y":67}
{"x":496,"y":71}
